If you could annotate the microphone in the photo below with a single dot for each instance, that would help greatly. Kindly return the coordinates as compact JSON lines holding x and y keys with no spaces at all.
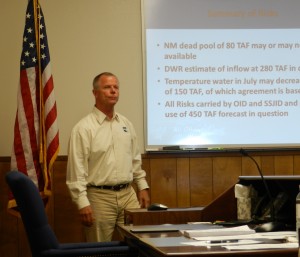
{"x":273,"y":225}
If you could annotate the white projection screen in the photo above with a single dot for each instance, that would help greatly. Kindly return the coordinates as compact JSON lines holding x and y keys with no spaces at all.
{"x":221,"y":73}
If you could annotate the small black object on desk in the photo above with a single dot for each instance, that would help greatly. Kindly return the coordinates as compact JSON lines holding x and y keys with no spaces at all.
{"x":157,"y":207}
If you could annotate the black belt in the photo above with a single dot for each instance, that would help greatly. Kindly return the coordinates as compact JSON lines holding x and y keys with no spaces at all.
{"x":114,"y":188}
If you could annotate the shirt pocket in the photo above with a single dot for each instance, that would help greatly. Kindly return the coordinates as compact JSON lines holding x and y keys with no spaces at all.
{"x":122,"y":140}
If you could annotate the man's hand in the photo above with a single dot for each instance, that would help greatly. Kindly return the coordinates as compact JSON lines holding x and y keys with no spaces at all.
{"x":144,"y":198}
{"x":86,"y":216}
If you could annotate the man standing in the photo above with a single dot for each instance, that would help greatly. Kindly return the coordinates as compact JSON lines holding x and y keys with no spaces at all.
{"x":103,"y":161}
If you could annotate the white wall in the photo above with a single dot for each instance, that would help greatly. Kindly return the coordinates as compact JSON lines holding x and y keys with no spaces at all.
{"x":85,"y":37}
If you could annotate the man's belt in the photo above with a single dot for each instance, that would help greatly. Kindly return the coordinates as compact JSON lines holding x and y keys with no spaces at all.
{"x":114,"y":188}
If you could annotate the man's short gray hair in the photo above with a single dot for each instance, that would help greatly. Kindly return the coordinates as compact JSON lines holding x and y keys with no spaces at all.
{"x":96,"y":79}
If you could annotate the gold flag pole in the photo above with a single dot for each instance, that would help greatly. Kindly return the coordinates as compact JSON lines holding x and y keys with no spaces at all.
{"x":42,"y":145}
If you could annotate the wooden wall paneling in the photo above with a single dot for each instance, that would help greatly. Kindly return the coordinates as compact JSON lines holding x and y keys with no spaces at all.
{"x":163,"y":181}
{"x":67,"y":225}
{"x":226,"y":172}
{"x":201,"y":181}
{"x":296,"y":170}
{"x":267,"y":165}
{"x":249,"y":167}
{"x":183,"y":182}
{"x":9,"y":239}
{"x":284,"y":165}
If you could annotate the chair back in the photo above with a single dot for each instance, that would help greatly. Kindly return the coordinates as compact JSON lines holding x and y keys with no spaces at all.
{"x":31,"y":207}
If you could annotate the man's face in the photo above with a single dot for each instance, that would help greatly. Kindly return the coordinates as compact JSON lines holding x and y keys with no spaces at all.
{"x":107,"y":93}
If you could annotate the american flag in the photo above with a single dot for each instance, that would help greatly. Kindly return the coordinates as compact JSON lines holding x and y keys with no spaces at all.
{"x":36,"y":140}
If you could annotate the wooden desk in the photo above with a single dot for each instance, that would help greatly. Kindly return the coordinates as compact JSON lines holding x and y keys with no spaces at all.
{"x":225,"y":206}
{"x":171,"y":216}
{"x":160,"y":244}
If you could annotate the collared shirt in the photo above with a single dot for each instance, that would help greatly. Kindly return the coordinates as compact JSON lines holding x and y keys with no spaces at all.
{"x":102,"y":151}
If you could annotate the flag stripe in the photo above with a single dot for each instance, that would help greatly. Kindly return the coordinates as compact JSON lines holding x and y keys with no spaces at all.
{"x":51,"y":124}
{"x":18,"y":149}
{"x":28,"y":122}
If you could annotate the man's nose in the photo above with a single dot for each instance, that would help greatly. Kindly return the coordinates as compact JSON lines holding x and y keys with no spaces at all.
{"x":113,"y":89}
